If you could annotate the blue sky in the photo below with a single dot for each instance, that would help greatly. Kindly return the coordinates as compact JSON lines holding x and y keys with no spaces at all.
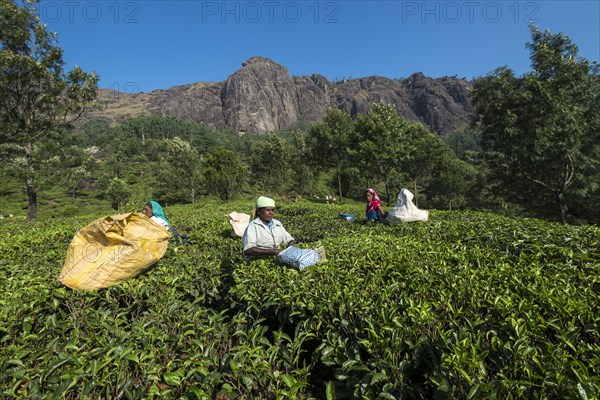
{"x":139,"y":46}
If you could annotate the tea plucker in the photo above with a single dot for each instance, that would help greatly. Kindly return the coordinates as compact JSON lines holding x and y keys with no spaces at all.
{"x":154,"y":211}
{"x":265,"y":235}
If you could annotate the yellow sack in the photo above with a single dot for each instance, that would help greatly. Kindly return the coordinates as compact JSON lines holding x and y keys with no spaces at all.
{"x":113,"y":249}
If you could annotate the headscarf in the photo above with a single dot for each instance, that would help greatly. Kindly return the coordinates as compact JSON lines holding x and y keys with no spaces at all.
{"x":157,"y":211}
{"x":375,"y":203}
{"x":261,"y":202}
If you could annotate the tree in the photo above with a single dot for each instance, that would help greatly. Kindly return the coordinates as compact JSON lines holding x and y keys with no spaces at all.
{"x":224,"y":173}
{"x":425,"y":152}
{"x":178,"y":175}
{"x":76,"y":166}
{"x":464,"y":143}
{"x":36,"y":95}
{"x":452,"y":184}
{"x":95,"y":132}
{"x":271,"y":163}
{"x":330,"y":141}
{"x":147,"y":127}
{"x":381,"y":143}
{"x":41,"y":165}
{"x":541,"y":129}
{"x":304,"y":176}
{"x":117,"y":192}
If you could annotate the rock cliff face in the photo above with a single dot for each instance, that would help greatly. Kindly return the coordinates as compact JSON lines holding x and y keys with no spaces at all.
{"x":262,"y":96}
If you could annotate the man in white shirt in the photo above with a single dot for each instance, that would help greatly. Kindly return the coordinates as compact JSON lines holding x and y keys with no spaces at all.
{"x":265,"y":235}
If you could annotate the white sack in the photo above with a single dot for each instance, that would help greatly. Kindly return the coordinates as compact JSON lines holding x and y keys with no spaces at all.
{"x":405,"y":210}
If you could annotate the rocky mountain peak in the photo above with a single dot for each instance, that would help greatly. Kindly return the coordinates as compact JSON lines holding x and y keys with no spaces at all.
{"x":262,"y":97}
{"x":258,"y":60}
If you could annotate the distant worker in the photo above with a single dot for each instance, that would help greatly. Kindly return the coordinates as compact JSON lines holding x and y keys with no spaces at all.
{"x":374,"y":211}
{"x":154,"y":211}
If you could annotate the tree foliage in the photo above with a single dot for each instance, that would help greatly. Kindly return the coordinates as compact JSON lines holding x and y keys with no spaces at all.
{"x":118,"y":192}
{"x":381,"y":144}
{"x":76,"y":166}
{"x":330,"y":141}
{"x":541,"y":129}
{"x":37,"y":95}
{"x":425,"y":152}
{"x":178,"y":174}
{"x":224,"y":173}
{"x":464,"y":143}
{"x":271,"y":163}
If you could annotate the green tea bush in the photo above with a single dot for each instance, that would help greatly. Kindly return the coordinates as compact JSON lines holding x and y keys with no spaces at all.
{"x":466,"y":305}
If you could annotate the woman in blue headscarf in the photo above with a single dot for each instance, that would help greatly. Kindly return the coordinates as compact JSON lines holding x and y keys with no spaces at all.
{"x":154,"y":211}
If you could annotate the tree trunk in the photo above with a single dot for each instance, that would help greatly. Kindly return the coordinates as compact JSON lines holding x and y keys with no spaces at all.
{"x":30,"y":184}
{"x":193,"y":196}
{"x":415,"y":190}
{"x":387,"y":192}
{"x":562,"y":208}
{"x":32,"y":195}
{"x":339,"y":176}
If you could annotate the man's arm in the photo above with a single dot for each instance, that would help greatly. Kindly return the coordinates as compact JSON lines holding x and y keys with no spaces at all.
{"x":261,"y":251}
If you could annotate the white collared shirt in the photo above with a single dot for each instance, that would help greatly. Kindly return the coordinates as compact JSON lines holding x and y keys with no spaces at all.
{"x":257,"y":234}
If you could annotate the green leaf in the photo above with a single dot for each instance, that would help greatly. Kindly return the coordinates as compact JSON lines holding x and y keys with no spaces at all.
{"x":474,"y":392}
{"x":378,"y":377}
{"x":289,"y":380}
{"x":582,"y":392}
{"x":330,"y":391}
{"x":248,"y":381}
{"x":132,"y":357}
{"x":172,"y":378}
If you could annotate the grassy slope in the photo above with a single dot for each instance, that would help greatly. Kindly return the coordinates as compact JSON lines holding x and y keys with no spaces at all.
{"x":467,"y":304}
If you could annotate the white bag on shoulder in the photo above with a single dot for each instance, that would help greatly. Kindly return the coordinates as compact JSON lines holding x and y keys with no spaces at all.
{"x":238,"y":222}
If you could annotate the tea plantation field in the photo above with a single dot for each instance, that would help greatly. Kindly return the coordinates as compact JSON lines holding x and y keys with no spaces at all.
{"x":466,"y":306}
